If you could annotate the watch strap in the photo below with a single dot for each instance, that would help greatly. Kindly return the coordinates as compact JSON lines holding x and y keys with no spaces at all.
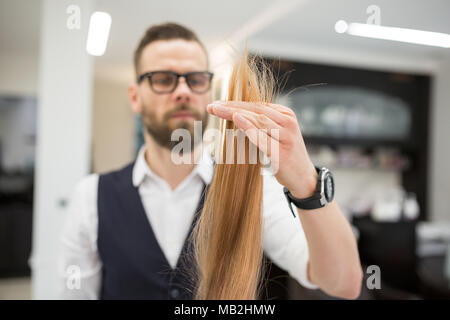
{"x":310,"y":203}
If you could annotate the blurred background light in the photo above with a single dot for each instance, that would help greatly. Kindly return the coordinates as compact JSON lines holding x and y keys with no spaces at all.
{"x":99,"y":27}
{"x":427,"y":38}
{"x":341,"y":26}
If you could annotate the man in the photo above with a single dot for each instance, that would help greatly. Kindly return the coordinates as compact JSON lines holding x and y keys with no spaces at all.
{"x":126,"y":233}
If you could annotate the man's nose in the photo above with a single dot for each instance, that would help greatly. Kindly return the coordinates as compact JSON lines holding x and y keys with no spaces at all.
{"x":182,"y":92}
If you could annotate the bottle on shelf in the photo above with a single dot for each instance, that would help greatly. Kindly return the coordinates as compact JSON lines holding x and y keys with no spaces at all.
{"x":411,"y":208}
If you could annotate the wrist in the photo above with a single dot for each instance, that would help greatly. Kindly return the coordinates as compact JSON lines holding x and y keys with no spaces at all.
{"x":307,"y":184}
{"x":319,"y":197}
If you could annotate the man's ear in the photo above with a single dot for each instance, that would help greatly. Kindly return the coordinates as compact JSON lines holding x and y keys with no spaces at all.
{"x":135,"y":101}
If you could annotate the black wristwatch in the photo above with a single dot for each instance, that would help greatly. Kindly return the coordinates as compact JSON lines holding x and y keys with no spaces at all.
{"x":323,"y":195}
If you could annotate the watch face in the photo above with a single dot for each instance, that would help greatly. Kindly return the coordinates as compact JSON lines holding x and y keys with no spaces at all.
{"x":329,"y":187}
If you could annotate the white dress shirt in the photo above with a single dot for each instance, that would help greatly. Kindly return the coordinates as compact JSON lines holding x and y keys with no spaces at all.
{"x":170,"y":212}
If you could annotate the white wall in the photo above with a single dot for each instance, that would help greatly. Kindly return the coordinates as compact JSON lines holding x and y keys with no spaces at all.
{"x":19,"y":73}
{"x":439,"y":156}
{"x":63,"y":137}
{"x":113,"y":126}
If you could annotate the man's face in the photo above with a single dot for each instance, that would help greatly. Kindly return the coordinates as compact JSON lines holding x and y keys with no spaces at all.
{"x":163,"y":113}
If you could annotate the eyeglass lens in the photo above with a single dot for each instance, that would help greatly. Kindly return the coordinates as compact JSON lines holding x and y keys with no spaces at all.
{"x":166,"y":81}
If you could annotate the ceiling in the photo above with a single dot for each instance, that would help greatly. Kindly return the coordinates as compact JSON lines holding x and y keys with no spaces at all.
{"x":313,"y":23}
{"x":272,"y":26}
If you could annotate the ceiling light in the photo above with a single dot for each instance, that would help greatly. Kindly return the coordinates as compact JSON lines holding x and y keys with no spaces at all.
{"x":395,"y":34}
{"x":98,"y":33}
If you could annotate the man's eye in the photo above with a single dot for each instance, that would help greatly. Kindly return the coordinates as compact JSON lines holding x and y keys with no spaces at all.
{"x":196,"y":81}
{"x":162,"y":81}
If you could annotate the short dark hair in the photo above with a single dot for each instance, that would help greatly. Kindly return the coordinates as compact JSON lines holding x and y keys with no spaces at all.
{"x":164,"y":31}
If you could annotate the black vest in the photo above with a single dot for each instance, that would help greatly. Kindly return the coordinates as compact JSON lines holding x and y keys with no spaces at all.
{"x":134,"y":265}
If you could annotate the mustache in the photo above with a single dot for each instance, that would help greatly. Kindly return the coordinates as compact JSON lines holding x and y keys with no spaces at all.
{"x":182,"y":107}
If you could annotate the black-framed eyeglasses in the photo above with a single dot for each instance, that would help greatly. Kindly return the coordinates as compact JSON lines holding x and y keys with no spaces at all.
{"x":166,"y":81}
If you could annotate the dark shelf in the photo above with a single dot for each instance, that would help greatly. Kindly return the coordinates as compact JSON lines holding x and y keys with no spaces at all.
{"x":359,"y":142}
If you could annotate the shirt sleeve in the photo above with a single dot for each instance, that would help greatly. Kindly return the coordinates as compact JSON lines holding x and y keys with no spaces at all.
{"x":79,"y":268}
{"x":284,"y":240}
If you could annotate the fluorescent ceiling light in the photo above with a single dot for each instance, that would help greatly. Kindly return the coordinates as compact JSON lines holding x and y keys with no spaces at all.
{"x":98,"y":33}
{"x":395,"y":34}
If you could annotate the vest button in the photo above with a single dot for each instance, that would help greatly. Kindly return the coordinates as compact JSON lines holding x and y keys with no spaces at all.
{"x":174,"y":293}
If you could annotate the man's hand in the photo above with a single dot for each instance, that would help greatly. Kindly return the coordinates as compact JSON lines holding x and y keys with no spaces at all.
{"x":274,"y":128}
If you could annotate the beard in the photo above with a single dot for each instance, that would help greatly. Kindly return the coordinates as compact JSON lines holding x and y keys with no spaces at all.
{"x":161,"y":131}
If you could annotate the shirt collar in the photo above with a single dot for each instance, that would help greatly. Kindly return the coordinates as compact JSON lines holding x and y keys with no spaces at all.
{"x":204,"y":167}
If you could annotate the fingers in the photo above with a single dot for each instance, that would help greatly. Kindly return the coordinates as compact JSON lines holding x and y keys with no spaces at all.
{"x":281,"y":115}
{"x":259,"y":137}
{"x":259,"y":120}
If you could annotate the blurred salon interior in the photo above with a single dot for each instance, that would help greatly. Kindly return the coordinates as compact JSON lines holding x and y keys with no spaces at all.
{"x":371,"y":88}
